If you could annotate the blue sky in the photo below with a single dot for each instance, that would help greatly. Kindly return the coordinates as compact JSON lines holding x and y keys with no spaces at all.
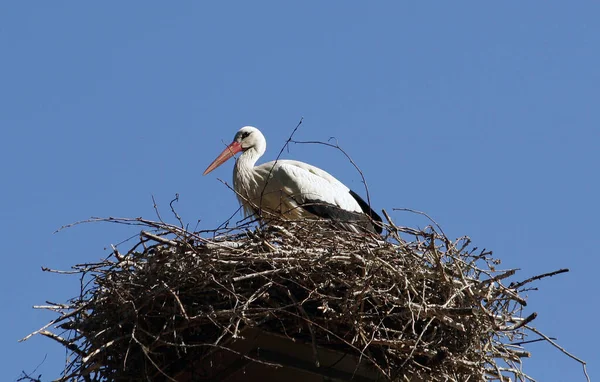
{"x":484,"y":115}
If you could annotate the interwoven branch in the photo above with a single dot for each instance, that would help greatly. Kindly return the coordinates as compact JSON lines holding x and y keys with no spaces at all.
{"x":414,"y":305}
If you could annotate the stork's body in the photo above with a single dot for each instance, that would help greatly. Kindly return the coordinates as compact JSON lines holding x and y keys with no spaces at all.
{"x":290,"y":189}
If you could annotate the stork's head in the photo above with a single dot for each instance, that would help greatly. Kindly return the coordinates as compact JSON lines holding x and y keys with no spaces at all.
{"x":248,"y":138}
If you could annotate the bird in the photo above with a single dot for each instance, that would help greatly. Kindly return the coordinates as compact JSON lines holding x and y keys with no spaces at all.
{"x":291,"y":190}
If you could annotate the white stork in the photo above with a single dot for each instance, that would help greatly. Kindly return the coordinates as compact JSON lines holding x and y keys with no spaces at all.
{"x":290,"y":189}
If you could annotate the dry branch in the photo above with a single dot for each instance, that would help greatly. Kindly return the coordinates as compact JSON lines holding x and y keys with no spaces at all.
{"x":414,"y":305}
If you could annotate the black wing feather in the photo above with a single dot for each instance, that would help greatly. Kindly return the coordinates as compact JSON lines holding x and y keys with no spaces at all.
{"x":329,"y":211}
{"x":368,"y":210}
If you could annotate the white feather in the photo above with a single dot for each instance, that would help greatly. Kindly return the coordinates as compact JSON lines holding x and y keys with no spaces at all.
{"x":281,"y":187}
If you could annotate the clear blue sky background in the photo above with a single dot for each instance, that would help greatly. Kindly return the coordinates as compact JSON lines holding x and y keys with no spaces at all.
{"x":486,"y":116}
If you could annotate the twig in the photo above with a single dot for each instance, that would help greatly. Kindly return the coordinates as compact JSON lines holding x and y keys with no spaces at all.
{"x":275,"y":164}
{"x":421,"y":213}
{"x":176,"y":199}
{"x":563,"y":350}
{"x":549,"y":274}
{"x":338,"y":147}
{"x":69,"y":345}
{"x":532,"y":341}
{"x":159,"y":239}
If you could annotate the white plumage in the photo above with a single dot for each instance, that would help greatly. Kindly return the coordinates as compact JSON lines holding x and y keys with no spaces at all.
{"x":287,"y":188}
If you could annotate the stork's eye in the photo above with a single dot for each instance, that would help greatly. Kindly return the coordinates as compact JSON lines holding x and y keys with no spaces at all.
{"x":245,"y":134}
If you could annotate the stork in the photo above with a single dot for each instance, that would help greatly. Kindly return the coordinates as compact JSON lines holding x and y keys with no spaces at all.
{"x":290,"y":189}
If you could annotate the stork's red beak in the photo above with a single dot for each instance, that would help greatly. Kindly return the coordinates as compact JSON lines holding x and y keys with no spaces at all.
{"x":231,"y":150}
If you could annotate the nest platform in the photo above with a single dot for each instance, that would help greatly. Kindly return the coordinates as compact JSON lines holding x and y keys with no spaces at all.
{"x":294,"y":299}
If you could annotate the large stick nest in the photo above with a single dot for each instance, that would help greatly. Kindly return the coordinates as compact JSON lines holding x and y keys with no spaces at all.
{"x":413,"y":305}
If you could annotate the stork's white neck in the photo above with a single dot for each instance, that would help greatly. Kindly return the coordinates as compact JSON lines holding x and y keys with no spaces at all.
{"x":246,"y":161}
{"x":258,"y":146}
{"x":243,"y":174}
